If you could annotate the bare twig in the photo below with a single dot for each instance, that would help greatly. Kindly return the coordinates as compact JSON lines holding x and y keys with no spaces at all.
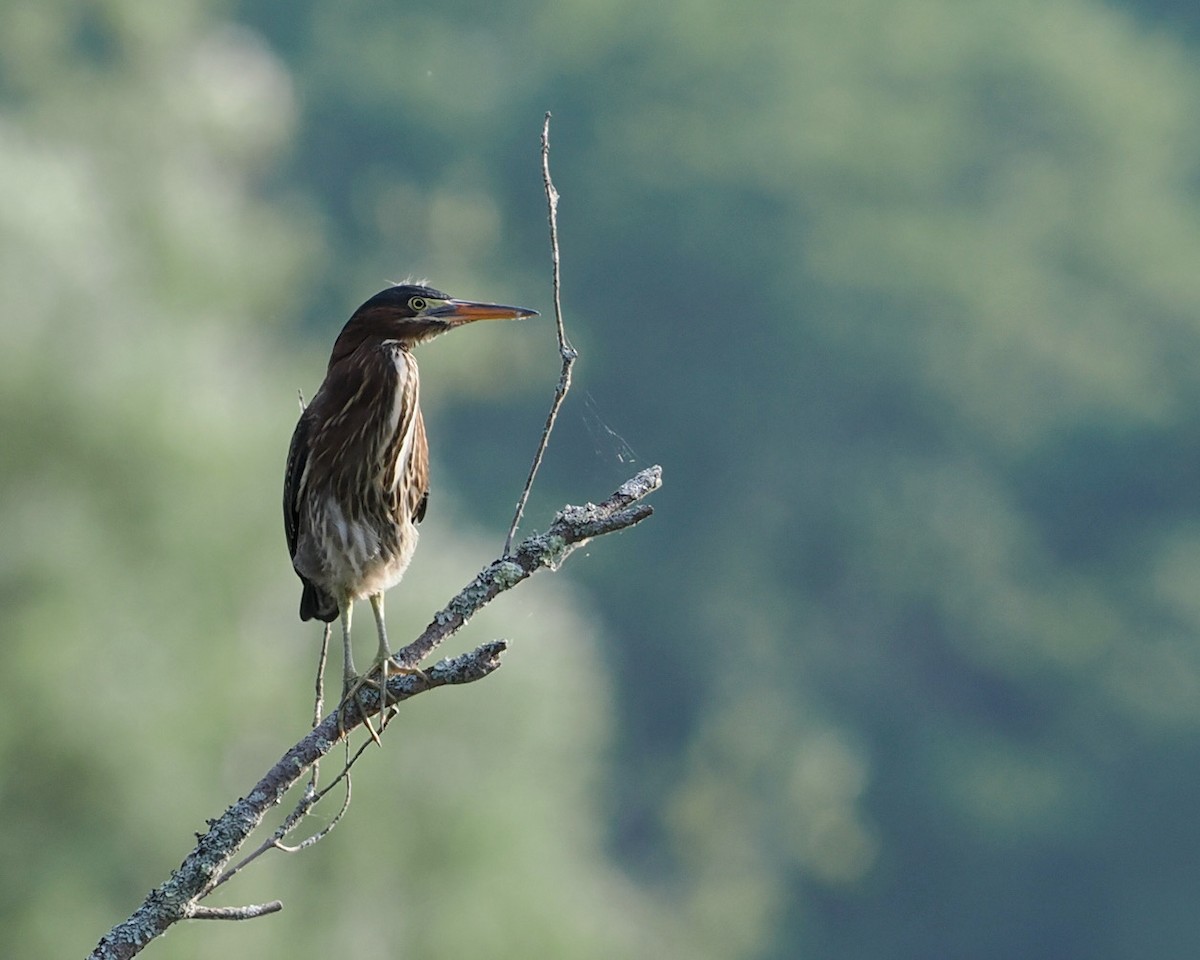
{"x":319,"y":684}
{"x":205,"y":866}
{"x":568,"y":353}
{"x":319,"y":698}
{"x":277,"y":840}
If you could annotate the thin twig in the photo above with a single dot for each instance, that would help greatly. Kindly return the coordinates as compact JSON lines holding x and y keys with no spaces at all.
{"x":319,"y":698}
{"x":275,"y":842}
{"x":319,"y":685}
{"x":568,"y":353}
{"x":324,"y":831}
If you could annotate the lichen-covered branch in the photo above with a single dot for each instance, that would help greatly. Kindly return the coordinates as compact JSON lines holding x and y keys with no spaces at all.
{"x":250,"y":912}
{"x":572,"y":527}
{"x":178,"y":898}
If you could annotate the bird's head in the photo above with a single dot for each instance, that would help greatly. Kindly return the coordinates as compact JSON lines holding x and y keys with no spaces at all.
{"x":410,"y":314}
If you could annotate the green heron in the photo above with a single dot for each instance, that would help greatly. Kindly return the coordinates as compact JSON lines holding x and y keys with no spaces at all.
{"x":357,"y":478}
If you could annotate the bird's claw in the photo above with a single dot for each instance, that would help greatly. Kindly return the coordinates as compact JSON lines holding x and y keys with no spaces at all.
{"x":351,"y":693}
{"x":384,"y":667}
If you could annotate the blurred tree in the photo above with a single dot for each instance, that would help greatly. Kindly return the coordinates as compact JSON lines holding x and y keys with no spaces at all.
{"x":903,"y":295}
{"x":1174,"y":15}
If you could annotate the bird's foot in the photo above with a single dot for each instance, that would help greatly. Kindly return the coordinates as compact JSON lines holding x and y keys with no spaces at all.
{"x":388,"y":667}
{"x":352,"y":693}
{"x":376,"y":676}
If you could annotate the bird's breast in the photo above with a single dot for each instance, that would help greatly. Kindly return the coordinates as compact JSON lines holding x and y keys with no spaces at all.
{"x":347,"y":553}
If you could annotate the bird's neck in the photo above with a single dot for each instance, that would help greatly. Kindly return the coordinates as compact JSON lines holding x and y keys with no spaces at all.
{"x":351,"y":343}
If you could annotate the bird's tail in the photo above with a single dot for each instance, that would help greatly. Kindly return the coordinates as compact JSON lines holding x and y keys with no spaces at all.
{"x":315,"y":604}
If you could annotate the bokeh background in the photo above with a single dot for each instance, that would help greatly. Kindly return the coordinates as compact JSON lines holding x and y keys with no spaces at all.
{"x":905,"y":297}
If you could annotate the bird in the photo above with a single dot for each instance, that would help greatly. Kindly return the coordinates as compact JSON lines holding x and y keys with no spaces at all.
{"x":356,"y":483}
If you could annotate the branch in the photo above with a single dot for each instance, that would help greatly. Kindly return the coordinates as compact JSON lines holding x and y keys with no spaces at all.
{"x":234,"y":913}
{"x":568,"y":353}
{"x":571,"y":529}
{"x":205,"y":867}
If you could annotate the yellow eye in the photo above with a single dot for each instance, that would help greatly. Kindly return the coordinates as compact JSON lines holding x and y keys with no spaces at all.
{"x":417,"y":304}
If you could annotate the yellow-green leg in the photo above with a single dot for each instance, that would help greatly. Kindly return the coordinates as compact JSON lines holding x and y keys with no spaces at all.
{"x":352,"y":683}
{"x":383,"y":658}
{"x":383,"y":663}
{"x":346,"y":609}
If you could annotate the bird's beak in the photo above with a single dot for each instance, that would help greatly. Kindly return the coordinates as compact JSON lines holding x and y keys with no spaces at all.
{"x":458,"y":312}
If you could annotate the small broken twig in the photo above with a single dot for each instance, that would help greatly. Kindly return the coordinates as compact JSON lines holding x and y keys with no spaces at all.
{"x":248,"y":912}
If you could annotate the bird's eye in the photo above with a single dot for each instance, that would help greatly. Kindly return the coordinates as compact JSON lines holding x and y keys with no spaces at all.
{"x":417,"y":304}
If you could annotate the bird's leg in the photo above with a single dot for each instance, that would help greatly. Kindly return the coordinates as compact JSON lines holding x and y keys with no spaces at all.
{"x":384,"y":657}
{"x":383,"y":662}
{"x":351,"y":681}
{"x":349,"y":674}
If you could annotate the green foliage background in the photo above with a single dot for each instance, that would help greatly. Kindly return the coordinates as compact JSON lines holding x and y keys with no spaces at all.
{"x":905,"y":298}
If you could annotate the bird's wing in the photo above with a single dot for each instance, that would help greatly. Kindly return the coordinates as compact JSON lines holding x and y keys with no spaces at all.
{"x":419,"y":471}
{"x":297,"y":460}
{"x":411,"y":493}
